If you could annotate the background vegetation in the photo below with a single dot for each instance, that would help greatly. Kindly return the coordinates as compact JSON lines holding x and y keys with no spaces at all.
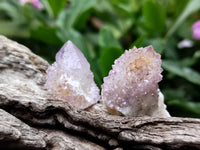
{"x":102,"y":29}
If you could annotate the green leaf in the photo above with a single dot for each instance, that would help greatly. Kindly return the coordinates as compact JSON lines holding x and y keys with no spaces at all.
{"x":8,"y":28}
{"x":126,"y":7}
{"x":46,"y":34}
{"x":110,"y":50}
{"x":191,"y":7}
{"x":107,"y":58}
{"x":171,"y":48}
{"x":185,"y":108}
{"x":157,"y":43}
{"x":154,"y":15}
{"x":106,"y":38}
{"x":139,"y":41}
{"x":94,"y":65}
{"x":185,"y":72}
{"x":197,"y":55}
{"x":11,"y":10}
{"x":76,"y":38}
{"x":76,"y":14}
{"x":57,"y":5}
{"x":175,"y":7}
{"x":174,"y":93}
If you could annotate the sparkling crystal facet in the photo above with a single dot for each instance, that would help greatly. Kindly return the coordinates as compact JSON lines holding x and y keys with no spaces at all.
{"x":70,"y":78}
{"x":131,"y":87}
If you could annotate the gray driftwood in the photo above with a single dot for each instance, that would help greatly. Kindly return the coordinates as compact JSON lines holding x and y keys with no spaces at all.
{"x":31,"y":119}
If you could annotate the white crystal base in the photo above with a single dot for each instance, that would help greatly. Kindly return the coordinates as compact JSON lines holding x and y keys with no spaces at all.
{"x":147,"y":106}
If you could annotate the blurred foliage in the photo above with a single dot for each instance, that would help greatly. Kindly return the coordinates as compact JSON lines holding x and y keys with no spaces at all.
{"x":102,"y":29}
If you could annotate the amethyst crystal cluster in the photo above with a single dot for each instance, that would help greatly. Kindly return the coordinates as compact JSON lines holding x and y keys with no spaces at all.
{"x":130,"y":89}
{"x":70,"y":78}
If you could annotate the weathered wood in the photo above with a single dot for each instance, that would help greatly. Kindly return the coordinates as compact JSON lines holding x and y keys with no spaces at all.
{"x":32,"y":119}
{"x":20,"y":135}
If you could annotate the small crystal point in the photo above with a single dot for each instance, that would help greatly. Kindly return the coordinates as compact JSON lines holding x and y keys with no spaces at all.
{"x":70,"y":78}
{"x":71,"y":57}
{"x":131,"y":87}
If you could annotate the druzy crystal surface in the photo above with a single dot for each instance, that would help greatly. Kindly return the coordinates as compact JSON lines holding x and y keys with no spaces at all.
{"x":70,"y":78}
{"x":131,"y":87}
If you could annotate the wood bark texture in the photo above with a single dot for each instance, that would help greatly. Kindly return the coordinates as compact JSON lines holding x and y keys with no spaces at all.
{"x":30,"y":118}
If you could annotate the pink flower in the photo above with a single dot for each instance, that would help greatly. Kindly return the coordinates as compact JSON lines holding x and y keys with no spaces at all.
{"x":196,"y":30}
{"x":35,"y":3}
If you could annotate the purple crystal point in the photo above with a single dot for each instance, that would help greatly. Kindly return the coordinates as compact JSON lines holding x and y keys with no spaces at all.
{"x":70,"y":78}
{"x":131,"y":87}
{"x":71,"y":57}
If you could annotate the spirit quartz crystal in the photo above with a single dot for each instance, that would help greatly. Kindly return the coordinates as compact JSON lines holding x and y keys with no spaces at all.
{"x":70,"y":78}
{"x":131,"y":87}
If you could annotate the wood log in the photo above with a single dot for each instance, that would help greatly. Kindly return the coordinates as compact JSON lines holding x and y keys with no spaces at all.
{"x":30,"y":118}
